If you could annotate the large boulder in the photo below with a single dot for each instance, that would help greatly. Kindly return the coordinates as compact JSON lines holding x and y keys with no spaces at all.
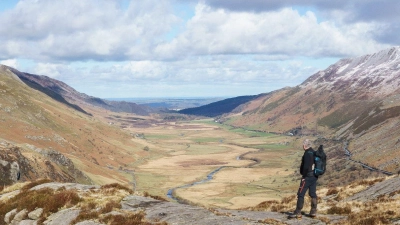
{"x":11,"y":160}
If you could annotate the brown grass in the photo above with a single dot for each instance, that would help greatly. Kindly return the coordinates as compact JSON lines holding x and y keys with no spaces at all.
{"x":137,"y":218}
{"x":128,"y":219}
{"x":48,"y":199}
{"x":367,"y":182}
{"x":116,"y":186}
{"x":339,"y":210}
{"x":110,"y":206}
{"x":366,"y":218}
{"x":146,"y":194}
{"x":286,"y":204}
{"x":332,"y":191}
{"x":35,"y":183}
{"x":272,"y":222}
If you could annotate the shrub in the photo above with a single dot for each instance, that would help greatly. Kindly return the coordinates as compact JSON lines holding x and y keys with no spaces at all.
{"x":370,"y":182}
{"x":288,"y":199}
{"x":110,"y":206}
{"x":146,"y":194}
{"x":67,"y":198}
{"x":35,"y":183}
{"x":116,"y":186}
{"x":332,"y":191}
{"x":86,"y":215}
{"x":277,"y":208}
{"x":339,"y":210}
{"x":267,"y":204}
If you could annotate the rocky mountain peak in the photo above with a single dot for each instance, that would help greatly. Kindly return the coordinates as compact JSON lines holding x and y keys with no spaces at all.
{"x":378,"y":74}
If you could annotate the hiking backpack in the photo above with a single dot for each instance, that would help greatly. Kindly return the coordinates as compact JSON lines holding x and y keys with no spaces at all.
{"x":319,"y":161}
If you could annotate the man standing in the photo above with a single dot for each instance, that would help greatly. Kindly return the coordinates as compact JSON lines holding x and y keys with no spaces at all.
{"x":308,"y":181}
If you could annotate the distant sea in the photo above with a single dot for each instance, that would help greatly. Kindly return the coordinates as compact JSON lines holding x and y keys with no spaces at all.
{"x":172,"y":103}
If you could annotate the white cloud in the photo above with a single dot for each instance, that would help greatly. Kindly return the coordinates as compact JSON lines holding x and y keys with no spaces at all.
{"x":51,"y":70}
{"x":10,"y":62}
{"x":80,"y":30}
{"x":284,"y":32}
{"x":73,"y":30}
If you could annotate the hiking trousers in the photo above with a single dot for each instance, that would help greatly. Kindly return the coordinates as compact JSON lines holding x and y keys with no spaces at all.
{"x":310,"y":184}
{"x":306,"y":183}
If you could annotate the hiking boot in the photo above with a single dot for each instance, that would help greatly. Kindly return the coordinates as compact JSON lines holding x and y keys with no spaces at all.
{"x":295,"y":215}
{"x":297,"y":211}
{"x":313,"y":211}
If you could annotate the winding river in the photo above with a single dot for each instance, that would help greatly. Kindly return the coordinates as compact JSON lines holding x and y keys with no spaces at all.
{"x":170,"y":193}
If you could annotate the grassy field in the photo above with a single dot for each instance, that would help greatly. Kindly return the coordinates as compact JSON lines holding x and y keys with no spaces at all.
{"x":185,"y":152}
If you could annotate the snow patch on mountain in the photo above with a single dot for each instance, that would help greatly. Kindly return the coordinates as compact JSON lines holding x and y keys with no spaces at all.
{"x":378,"y":74}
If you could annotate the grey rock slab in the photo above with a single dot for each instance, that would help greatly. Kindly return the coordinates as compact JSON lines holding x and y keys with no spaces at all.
{"x":35,"y":214}
{"x":63,"y":217}
{"x":176,"y":214}
{"x":20,"y":216}
{"x":180,"y":214}
{"x":385,"y":187}
{"x":28,"y":222}
{"x":255,"y":216}
{"x":138,"y":202}
{"x":396,"y":222}
{"x":68,"y":186}
{"x":10,"y":215}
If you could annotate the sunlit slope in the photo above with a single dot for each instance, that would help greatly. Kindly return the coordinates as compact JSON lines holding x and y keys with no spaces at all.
{"x":34,"y":122}
{"x":356,"y":100}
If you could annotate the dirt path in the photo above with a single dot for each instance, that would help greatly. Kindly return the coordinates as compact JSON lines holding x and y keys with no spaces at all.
{"x":348,"y":154}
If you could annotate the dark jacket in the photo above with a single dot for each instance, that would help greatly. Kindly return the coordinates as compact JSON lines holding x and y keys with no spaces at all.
{"x":307,"y":163}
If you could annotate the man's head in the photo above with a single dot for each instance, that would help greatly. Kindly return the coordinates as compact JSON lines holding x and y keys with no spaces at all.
{"x":307,"y":144}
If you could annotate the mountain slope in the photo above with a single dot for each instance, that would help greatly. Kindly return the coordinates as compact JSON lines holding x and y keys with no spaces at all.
{"x":369,"y":76}
{"x":354,"y":99}
{"x":67,"y":95}
{"x":57,"y":141}
{"x":220,"y":107}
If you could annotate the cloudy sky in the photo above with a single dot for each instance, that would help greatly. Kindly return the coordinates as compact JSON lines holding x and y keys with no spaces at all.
{"x":189,"y":48}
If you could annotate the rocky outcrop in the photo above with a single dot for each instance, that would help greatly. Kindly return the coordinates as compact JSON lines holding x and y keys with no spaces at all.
{"x":390,"y":187}
{"x":154,"y":211}
{"x":63,"y":217}
{"x":64,"y":162}
{"x":67,"y":186}
{"x":180,"y":214}
{"x":15,"y":166}
{"x":12,"y":163}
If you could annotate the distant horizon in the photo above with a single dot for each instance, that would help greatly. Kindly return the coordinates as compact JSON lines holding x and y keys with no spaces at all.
{"x":174,"y":98}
